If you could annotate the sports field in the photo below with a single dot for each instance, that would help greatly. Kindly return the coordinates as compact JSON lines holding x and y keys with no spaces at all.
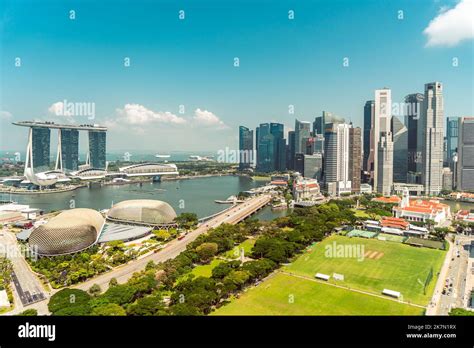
{"x":284,"y":294}
{"x":384,"y":265}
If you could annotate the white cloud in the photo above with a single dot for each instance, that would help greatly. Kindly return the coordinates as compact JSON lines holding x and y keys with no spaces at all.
{"x":5,"y":115}
{"x":58,"y":109}
{"x":208,"y":119}
{"x":136,"y":114}
{"x":452,"y":26}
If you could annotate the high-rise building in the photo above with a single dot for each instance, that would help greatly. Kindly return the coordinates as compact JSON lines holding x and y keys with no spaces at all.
{"x":302,"y":133}
{"x":452,"y":125}
{"x":265,"y":149}
{"x":97,"y":148}
{"x":383,"y":142}
{"x":355,"y":158}
{"x":400,"y":148}
{"x":41,"y":144}
{"x":245,"y":148}
{"x":313,"y":166}
{"x":465,"y":156}
{"x":321,"y":121}
{"x":290,"y":161}
{"x":271,"y":147}
{"x":68,"y":150}
{"x":277,"y":130}
{"x":336,"y":162}
{"x":299,"y":163}
{"x":368,"y":161}
{"x":431,"y":134}
{"x":447,"y":179}
{"x":414,"y":104}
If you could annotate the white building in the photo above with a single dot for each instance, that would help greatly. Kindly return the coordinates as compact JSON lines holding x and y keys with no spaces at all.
{"x":336,"y":165}
{"x":431,"y":135}
{"x":305,"y":189}
{"x":421,"y":210}
{"x":383,"y":142}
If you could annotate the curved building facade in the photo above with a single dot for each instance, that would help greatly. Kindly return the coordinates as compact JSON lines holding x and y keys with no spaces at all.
{"x":69,"y":232}
{"x":143,"y":211}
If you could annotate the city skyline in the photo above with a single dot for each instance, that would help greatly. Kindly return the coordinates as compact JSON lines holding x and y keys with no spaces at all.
{"x":145,"y":100}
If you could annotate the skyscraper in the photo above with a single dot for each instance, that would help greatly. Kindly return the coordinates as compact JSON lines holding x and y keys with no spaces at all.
{"x":97,"y":148}
{"x":383,"y":142}
{"x":41,"y":143}
{"x":313,"y":166}
{"x":68,"y":149}
{"x":431,"y":133}
{"x":368,"y":161}
{"x":400,"y":149}
{"x":265,"y":149}
{"x":465,"y":164}
{"x":299,"y":163}
{"x":414,"y":104}
{"x":245,"y":148}
{"x":355,"y":157}
{"x":452,"y":125}
{"x":336,"y":163}
{"x":302,"y":133}
{"x":291,"y":150}
{"x":277,"y":130}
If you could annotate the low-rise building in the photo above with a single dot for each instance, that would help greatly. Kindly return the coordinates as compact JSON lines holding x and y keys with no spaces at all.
{"x":421,"y":210}
{"x":387,"y":200}
{"x":305,"y":189}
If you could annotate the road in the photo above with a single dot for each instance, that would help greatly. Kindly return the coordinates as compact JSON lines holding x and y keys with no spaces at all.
{"x":174,"y":248}
{"x":27,"y":288}
{"x":452,"y":279}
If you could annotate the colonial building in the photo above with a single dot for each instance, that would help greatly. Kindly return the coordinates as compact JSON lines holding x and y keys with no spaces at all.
{"x":421,"y":210}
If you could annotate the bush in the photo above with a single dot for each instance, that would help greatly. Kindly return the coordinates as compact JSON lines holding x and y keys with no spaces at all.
{"x":110,"y":309}
{"x":29,"y":313}
{"x":66,"y":299}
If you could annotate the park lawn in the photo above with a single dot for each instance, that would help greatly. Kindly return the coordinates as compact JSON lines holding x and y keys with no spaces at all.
{"x":261,"y":178}
{"x":401,"y":267}
{"x":363,"y":214}
{"x":274,"y":295}
{"x":235,"y":252}
{"x":201,"y":270}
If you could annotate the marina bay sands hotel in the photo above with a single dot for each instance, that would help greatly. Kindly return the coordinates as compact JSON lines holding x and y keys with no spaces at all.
{"x":67,"y":159}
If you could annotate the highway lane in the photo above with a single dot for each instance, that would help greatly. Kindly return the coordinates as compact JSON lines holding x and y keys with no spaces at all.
{"x":174,"y":248}
{"x":452,"y":279}
{"x":27,"y":287}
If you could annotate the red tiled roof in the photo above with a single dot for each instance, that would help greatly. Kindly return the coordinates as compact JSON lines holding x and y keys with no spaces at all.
{"x":392,"y":199}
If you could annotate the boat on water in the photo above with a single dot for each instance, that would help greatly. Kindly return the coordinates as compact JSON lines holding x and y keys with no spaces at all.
{"x":162,"y":156}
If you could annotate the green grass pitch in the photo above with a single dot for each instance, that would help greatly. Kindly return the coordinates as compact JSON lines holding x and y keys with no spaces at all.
{"x":396,"y":266}
{"x":288,"y":295}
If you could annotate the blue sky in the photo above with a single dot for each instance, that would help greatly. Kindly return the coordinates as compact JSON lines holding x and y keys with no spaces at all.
{"x":190,"y":62}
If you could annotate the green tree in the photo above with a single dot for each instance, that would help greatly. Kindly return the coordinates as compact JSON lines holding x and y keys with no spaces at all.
{"x":29,"y":313}
{"x":224,"y":268}
{"x":206,"y":251}
{"x":162,"y":234}
{"x":120,"y":294}
{"x":146,"y":306}
{"x":187,"y":220}
{"x":110,"y":309}
{"x":67,"y":299}
{"x":113,"y":282}
{"x":95,"y":290}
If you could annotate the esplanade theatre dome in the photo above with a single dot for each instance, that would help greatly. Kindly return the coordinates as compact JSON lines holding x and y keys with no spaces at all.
{"x":70,"y":231}
{"x":146,"y":211}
